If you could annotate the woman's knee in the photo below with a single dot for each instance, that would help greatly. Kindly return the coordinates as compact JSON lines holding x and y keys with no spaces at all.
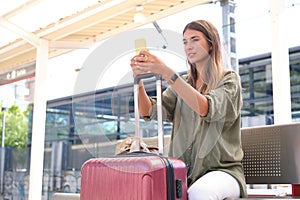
{"x":214,"y":185}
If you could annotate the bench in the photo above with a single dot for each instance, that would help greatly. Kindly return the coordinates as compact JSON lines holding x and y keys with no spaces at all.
{"x":272,"y":155}
{"x":65,"y":196}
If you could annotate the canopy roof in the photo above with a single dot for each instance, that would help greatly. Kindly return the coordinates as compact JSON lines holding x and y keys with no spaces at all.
{"x":71,"y":24}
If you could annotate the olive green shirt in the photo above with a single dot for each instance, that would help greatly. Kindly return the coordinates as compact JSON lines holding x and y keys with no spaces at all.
{"x":212,"y":142}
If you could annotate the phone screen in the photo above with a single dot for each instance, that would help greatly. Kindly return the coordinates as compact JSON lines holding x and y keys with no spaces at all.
{"x":140,"y":44}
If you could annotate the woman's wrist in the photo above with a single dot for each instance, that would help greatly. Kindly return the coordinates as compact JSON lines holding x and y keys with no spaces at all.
{"x":141,"y":83}
{"x":172,"y":78}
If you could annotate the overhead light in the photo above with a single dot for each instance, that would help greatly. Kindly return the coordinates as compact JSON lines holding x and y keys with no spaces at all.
{"x":139,"y":17}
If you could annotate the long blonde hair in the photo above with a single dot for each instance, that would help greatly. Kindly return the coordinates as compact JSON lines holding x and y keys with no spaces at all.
{"x":214,"y":71}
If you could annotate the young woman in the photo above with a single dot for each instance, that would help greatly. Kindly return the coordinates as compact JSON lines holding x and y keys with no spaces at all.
{"x":204,"y":106}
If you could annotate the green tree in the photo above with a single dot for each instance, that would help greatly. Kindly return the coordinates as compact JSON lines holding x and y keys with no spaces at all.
{"x":16,"y":127}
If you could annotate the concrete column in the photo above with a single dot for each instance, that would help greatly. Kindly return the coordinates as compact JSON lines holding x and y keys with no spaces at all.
{"x":39,"y":121}
{"x":229,"y":36}
{"x":280,"y":64}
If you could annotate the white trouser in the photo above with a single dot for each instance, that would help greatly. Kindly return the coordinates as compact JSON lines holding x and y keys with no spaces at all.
{"x":215,"y":185}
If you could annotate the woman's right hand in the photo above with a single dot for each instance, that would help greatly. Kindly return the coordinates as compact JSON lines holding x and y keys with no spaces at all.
{"x":135,"y":64}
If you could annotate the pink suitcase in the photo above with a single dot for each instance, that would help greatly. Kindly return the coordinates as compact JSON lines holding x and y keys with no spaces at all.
{"x":137,"y":175}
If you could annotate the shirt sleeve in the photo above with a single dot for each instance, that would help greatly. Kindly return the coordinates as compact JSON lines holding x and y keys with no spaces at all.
{"x":225,"y":100}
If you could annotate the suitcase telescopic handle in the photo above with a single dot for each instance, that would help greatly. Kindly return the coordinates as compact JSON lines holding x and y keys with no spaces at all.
{"x":138,"y":77}
{"x":159,"y":110}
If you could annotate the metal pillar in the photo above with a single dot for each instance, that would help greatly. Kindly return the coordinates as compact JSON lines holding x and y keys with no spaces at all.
{"x":229,"y":36}
{"x":280,"y":64}
{"x":39,"y":123}
{"x":3,"y":149}
{"x":3,"y":126}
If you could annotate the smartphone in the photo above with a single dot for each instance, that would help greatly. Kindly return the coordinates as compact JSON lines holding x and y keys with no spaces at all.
{"x":140,"y":45}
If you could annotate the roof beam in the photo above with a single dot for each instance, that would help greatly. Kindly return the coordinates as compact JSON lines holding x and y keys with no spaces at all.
{"x":70,"y":45}
{"x":106,"y":5}
{"x":21,"y":8}
{"x":28,"y":36}
{"x":104,"y":12}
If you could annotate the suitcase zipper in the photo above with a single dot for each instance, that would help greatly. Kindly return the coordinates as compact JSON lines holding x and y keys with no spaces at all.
{"x":170,"y":178}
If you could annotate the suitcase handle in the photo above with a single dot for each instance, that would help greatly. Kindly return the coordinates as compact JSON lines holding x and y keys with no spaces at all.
{"x":159,"y":110}
{"x":139,"y":77}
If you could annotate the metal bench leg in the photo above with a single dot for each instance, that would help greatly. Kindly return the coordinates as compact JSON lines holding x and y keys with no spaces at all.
{"x":296,"y":190}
